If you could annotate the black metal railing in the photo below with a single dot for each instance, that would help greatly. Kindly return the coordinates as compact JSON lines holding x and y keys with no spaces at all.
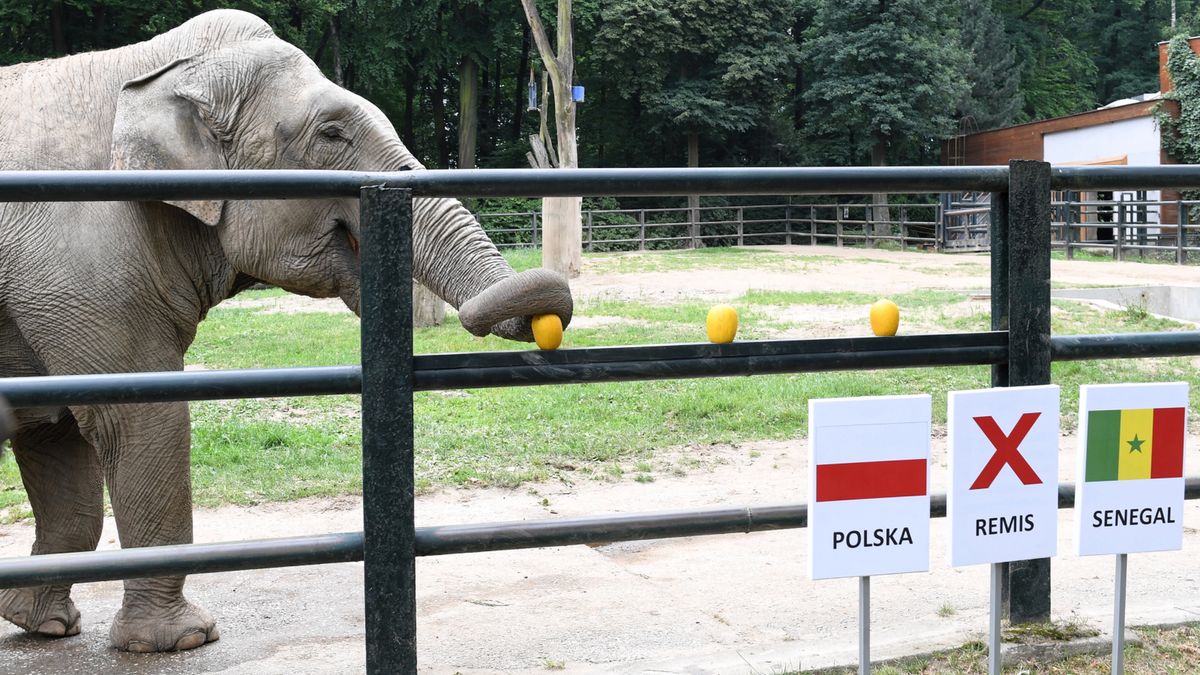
{"x":1019,"y":348}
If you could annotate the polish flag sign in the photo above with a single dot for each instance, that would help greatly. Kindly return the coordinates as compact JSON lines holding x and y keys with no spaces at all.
{"x":868,"y":510}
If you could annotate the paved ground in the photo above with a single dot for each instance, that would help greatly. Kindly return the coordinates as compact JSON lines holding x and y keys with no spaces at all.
{"x":728,"y":604}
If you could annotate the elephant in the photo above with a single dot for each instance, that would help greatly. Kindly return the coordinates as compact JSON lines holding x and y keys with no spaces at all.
{"x":112,"y":287}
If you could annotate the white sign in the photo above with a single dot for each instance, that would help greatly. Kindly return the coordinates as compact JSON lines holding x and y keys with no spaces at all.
{"x":1129,"y":482}
{"x":868,"y":488}
{"x":1003,"y":497}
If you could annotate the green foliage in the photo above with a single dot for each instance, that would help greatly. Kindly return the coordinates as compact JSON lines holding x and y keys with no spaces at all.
{"x":884,"y":75}
{"x":1181,"y":134}
{"x":995,"y":97}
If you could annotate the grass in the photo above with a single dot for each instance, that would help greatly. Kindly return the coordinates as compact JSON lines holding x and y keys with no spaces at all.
{"x":250,"y":451}
{"x":1163,"y":650}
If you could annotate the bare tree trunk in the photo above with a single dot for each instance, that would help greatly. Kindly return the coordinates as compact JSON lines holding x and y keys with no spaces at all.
{"x":563,"y":227}
{"x":694,"y":240}
{"x":437,"y":98}
{"x":427,"y":308}
{"x":57,"y":32}
{"x":335,"y":44}
{"x":521,"y":99}
{"x":468,"y":112}
{"x":881,"y":215}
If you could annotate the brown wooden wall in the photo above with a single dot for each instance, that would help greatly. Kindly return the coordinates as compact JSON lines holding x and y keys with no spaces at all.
{"x":1024,"y":141}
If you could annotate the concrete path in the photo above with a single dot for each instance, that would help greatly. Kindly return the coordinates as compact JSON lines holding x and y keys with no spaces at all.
{"x":722,"y":604}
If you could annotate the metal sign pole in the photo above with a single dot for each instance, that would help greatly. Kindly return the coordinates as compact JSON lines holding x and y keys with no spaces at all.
{"x":864,"y":625}
{"x":1118,"y":653}
{"x":994,"y":660}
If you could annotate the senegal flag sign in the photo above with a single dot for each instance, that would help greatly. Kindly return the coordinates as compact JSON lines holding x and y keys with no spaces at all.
{"x":1131,"y":462}
{"x":1135,"y":444}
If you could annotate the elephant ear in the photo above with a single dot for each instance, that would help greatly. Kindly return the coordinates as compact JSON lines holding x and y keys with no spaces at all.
{"x":166,"y":119}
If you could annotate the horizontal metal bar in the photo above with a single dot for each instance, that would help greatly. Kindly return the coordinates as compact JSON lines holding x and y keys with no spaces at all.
{"x":200,"y":385}
{"x":161,"y":561}
{"x":1172,"y":176}
{"x":291,"y":184}
{"x":65,"y":568}
{"x":1124,"y":346}
{"x":592,"y":364}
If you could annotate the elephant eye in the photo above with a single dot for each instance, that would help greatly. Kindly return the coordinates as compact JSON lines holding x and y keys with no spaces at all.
{"x":334,"y":132}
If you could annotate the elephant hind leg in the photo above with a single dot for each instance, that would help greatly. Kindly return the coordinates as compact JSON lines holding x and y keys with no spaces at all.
{"x":63,"y":479}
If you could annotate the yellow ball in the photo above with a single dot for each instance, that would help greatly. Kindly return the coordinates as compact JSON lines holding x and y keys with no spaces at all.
{"x":722,"y":324}
{"x":547,"y":331}
{"x":885,"y":317}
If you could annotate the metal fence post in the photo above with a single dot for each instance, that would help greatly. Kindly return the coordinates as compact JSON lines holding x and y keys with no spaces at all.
{"x":1180,"y":232}
{"x":1027,"y":254}
{"x":387,"y":437}
{"x":787,"y":224}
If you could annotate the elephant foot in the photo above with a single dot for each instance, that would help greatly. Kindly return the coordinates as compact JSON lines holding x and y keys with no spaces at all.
{"x":44,"y":610}
{"x":179,"y":626}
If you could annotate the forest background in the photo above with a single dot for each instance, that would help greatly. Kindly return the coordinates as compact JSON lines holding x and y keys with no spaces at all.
{"x":754,"y":82}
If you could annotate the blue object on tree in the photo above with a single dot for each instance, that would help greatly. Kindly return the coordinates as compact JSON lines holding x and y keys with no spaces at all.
{"x":533,"y":104}
{"x":577,"y":93}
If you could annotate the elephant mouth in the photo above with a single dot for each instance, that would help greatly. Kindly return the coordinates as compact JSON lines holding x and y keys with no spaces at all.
{"x":351,"y":240}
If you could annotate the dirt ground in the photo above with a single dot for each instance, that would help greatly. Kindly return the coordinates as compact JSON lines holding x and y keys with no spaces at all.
{"x":727,"y":604}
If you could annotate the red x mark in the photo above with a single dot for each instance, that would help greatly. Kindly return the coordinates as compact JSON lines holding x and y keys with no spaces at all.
{"x":1006,"y":451}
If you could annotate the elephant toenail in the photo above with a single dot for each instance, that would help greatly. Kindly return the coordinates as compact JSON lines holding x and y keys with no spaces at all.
{"x":213,"y":634}
{"x":190,"y":641}
{"x":52,"y":628}
{"x":139,"y":647}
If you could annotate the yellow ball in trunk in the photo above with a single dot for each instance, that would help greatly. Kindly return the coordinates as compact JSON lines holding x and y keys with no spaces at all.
{"x":547,"y":331}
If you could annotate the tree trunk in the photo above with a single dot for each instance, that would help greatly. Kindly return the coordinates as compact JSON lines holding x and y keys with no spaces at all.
{"x":335,"y":44}
{"x":427,"y":308}
{"x":468,"y":112}
{"x":563,"y":227}
{"x":521,"y":100}
{"x":881,"y":215}
{"x":57,"y":31}
{"x":437,"y":100}
{"x":693,"y":161}
{"x":410,"y":96}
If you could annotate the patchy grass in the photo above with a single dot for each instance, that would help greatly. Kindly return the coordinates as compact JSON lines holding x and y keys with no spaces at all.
{"x":1174,"y":650}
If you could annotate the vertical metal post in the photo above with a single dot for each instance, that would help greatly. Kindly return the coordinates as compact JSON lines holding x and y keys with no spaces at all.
{"x":389,"y":558}
{"x":1028,"y":262}
{"x":641,"y":230}
{"x":1180,"y":233}
{"x":588,"y":247}
{"x":812,"y":226}
{"x":998,"y":234}
{"x":787,"y":223}
{"x":1118,"y":649}
{"x":995,"y":664}
{"x":864,"y":625}
{"x":741,"y":227}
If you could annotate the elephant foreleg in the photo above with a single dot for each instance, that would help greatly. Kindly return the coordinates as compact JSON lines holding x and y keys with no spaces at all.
{"x":62,"y":477}
{"x":145,"y":454}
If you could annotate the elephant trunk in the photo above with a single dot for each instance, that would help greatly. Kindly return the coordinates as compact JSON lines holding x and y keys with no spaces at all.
{"x":456,"y":260}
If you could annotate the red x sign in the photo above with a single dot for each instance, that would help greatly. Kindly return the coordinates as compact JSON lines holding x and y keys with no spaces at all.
{"x":1007,"y":451}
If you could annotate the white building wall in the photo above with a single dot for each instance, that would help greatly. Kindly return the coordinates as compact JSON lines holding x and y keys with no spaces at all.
{"x":1138,"y":139}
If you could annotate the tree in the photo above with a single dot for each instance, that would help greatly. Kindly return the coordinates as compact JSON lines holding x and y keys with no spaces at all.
{"x":886,"y":77}
{"x":700,"y":69}
{"x":995,"y":96}
{"x":562,"y":238}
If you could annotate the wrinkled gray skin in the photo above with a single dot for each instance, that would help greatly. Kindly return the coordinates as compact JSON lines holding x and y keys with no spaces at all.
{"x":121,"y":287}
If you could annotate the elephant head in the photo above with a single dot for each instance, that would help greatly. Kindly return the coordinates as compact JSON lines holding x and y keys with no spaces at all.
{"x":263,"y":104}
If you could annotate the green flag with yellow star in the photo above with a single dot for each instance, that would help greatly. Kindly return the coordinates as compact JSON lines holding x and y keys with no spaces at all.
{"x":1134,"y":444}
